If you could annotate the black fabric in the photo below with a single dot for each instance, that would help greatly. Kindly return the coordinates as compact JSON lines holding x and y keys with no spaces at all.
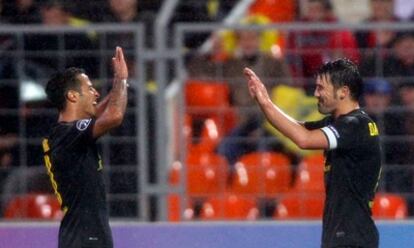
{"x":76,"y":169}
{"x":352,"y":171}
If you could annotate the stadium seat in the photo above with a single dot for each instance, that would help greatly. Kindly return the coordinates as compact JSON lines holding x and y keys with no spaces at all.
{"x":188,"y":130}
{"x":174,"y":173}
{"x":229,"y":207}
{"x":210,"y":99}
{"x":210,"y":137}
{"x":33,"y":206}
{"x":310,"y":176}
{"x":276,"y":10}
{"x":262,"y":174}
{"x":174,"y":209}
{"x":297,"y":205}
{"x":206,"y":174}
{"x":202,"y":93}
{"x":226,"y":118}
{"x":389,"y":206}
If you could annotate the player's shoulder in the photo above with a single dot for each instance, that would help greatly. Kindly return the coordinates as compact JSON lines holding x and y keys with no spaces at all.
{"x":356,"y":117}
{"x":83,"y":124}
{"x":68,"y":128}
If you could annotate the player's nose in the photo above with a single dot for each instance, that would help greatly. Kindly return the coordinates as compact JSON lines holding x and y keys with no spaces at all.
{"x":316,"y":93}
{"x":97,"y":95}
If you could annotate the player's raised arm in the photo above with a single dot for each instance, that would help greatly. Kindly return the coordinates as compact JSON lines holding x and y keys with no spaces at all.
{"x":305,"y":139}
{"x":115,"y":105}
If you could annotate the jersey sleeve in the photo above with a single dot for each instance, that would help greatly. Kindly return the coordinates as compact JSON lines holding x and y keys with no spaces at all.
{"x":312,"y":125}
{"x":345,"y":133}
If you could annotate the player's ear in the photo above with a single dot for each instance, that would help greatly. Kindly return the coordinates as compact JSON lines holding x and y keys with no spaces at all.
{"x":72,"y":95}
{"x":344,"y":92}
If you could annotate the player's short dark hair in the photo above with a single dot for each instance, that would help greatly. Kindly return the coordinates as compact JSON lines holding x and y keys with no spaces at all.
{"x":343,"y":72}
{"x":59,"y":85}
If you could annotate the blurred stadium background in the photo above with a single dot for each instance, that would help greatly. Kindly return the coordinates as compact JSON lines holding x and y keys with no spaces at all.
{"x":193,"y":146}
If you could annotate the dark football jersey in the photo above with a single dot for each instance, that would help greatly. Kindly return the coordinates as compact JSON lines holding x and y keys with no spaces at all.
{"x":75,"y":170}
{"x":352,"y":171}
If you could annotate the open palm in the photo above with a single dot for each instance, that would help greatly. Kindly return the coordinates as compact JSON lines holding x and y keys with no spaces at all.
{"x":119,"y":64}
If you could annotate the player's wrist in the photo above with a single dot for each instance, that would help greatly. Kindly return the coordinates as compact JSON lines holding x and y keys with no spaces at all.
{"x":264,"y":101}
{"x":125,"y":82}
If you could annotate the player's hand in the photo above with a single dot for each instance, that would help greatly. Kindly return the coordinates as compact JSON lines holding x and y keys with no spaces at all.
{"x":119,"y":65}
{"x":257,"y":89}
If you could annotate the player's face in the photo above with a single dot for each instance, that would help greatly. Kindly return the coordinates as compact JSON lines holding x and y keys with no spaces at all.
{"x":249,"y":42}
{"x":326,"y":94}
{"x":89,"y":96}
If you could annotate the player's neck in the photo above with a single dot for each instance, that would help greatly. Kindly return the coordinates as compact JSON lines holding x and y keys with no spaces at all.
{"x":69,"y":115}
{"x":345,"y":108}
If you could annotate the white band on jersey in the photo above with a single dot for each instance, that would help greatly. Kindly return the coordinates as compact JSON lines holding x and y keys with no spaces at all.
{"x":332,"y":140}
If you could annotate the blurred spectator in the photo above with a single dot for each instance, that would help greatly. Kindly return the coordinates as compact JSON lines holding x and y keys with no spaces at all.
{"x":256,"y":134}
{"x":250,"y":52}
{"x":201,"y":11}
{"x":58,"y":51}
{"x":351,"y":11}
{"x":9,"y":126}
{"x":309,"y":49}
{"x":381,"y":11}
{"x":399,"y":176}
{"x":8,"y":145}
{"x":232,"y":52}
{"x":9,"y":129}
{"x":37,"y":120}
{"x":93,"y":10}
{"x":404,"y":9}
{"x":401,"y":62}
{"x":377,"y":97}
{"x":20,"y":11}
{"x":208,"y":65}
{"x":397,"y":64}
{"x":129,"y":11}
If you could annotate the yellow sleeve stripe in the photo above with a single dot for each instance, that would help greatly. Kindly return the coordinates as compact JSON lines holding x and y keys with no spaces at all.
{"x":48,"y":165}
{"x":45,"y":145}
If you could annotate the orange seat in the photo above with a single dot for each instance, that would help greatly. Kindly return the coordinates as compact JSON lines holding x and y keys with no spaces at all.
{"x":174,"y":209}
{"x":262,"y":173}
{"x":229,"y":207}
{"x":33,"y":206}
{"x":174,"y":173}
{"x":211,"y":135}
{"x":188,"y":130}
{"x":204,"y":98}
{"x":300,"y":206}
{"x":210,"y":99}
{"x":277,"y":10}
{"x":310,"y":176}
{"x":226,"y":118}
{"x":206,"y":174}
{"x":389,"y":206}
{"x":206,"y":94}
